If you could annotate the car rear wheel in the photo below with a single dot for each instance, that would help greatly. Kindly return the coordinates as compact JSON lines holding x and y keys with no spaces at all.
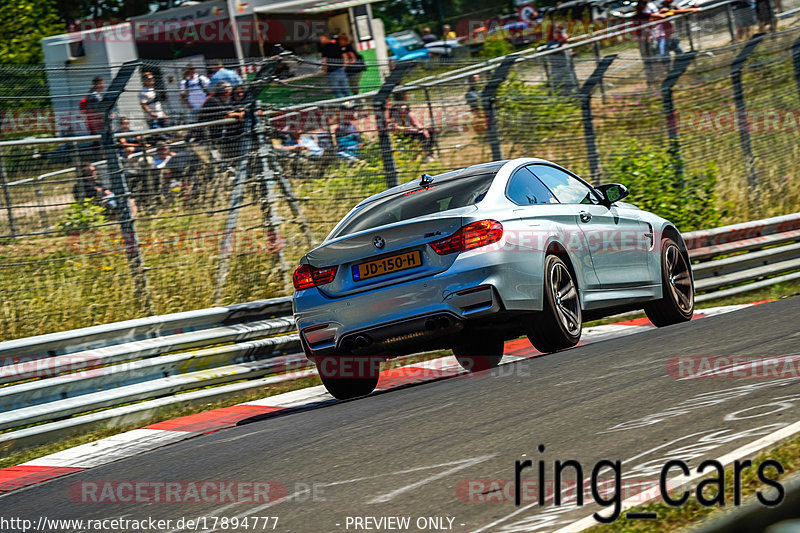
{"x":677,"y":303}
{"x":347,"y":377}
{"x":558,"y":326}
{"x":476,"y":354}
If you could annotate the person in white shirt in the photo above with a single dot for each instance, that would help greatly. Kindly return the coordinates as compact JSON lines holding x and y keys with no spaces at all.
{"x":148,"y":99}
{"x":194,"y":89}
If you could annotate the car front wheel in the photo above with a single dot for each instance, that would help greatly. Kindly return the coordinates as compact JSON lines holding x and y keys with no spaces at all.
{"x":558,"y":326}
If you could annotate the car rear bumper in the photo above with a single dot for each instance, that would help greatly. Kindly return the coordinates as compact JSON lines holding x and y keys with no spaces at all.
{"x":396,"y":319}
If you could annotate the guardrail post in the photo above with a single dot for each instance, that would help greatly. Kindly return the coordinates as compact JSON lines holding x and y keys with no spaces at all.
{"x":741,"y":107}
{"x":379,"y":104}
{"x":796,"y":63}
{"x":679,"y":66}
{"x":119,"y":186}
{"x":7,"y":197}
{"x":487,"y":102}
{"x":585,"y":95}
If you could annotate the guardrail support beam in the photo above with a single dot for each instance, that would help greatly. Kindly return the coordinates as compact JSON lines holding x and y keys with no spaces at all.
{"x":585,"y":95}
{"x":487,"y":102}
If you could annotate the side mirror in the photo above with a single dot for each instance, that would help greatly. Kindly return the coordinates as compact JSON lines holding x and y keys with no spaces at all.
{"x":612,"y":192}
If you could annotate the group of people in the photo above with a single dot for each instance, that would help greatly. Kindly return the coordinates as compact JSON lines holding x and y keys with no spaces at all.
{"x":195,"y":91}
{"x":344,"y":143}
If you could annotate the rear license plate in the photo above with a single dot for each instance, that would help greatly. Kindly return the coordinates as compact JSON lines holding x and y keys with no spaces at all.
{"x":387,"y":265}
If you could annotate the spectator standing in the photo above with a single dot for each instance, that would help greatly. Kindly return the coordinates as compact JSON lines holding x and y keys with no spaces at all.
{"x":194,"y":89}
{"x":89,"y":106}
{"x":354,"y":63}
{"x":744,"y":16}
{"x":448,"y":33}
{"x":765,"y":14}
{"x":333,"y":66}
{"x":151,"y":104}
{"x":664,"y":33}
{"x":216,"y":107}
{"x":473,"y":98}
{"x":428,"y":37}
{"x":220,"y":73}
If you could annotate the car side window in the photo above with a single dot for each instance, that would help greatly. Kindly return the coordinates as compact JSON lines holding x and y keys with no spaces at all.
{"x":566,"y":188}
{"x":525,"y":189}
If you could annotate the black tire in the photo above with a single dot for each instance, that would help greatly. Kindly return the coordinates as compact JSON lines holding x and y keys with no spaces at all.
{"x":348,"y":377}
{"x":558,"y":326}
{"x":677,"y":302}
{"x":478,"y":354}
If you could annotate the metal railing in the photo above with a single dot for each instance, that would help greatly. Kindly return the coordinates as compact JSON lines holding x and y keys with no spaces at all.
{"x":48,"y":382}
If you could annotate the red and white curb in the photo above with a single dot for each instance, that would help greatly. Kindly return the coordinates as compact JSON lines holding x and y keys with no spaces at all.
{"x":129,"y":443}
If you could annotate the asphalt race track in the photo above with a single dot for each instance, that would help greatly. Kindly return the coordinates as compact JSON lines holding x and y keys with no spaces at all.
{"x":422,"y":451}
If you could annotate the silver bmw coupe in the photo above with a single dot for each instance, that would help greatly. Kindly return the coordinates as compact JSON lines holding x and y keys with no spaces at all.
{"x":471,"y":258}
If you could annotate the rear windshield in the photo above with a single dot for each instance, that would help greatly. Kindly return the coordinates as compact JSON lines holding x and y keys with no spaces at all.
{"x":446,"y":195}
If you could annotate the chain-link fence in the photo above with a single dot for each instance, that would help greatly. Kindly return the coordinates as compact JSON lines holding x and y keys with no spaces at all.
{"x":114,"y":219}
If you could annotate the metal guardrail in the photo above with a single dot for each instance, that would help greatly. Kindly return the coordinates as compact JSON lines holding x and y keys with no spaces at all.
{"x":49,"y":382}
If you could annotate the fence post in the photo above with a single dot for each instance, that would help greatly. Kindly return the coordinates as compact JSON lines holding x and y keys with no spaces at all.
{"x":119,"y":186}
{"x":7,"y":197}
{"x":679,"y":66}
{"x":433,"y":120}
{"x":379,"y":104}
{"x":487,"y":102}
{"x":741,"y":107}
{"x":585,"y":95}
{"x":731,"y":27}
{"x":796,"y":63}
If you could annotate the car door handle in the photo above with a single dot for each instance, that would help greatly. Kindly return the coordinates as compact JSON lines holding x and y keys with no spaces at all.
{"x":585,"y":217}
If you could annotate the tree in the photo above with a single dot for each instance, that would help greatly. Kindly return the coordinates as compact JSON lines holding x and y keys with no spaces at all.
{"x":23,"y":24}
{"x":104,"y":10}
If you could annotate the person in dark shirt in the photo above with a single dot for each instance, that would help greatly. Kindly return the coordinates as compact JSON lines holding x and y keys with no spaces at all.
{"x":352,"y":71}
{"x":428,"y":37}
{"x":89,"y":106}
{"x":333,"y":66}
{"x":216,"y":107}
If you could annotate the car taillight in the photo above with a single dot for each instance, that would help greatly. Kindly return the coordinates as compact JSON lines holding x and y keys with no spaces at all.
{"x":306,"y":276}
{"x":470,"y":236}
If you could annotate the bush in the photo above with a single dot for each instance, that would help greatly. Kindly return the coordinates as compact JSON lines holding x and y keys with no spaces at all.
{"x":496,"y":46}
{"x":82,"y":217}
{"x":658,"y":184}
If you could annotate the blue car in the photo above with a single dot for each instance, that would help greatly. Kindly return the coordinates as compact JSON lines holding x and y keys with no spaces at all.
{"x":407,"y":46}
